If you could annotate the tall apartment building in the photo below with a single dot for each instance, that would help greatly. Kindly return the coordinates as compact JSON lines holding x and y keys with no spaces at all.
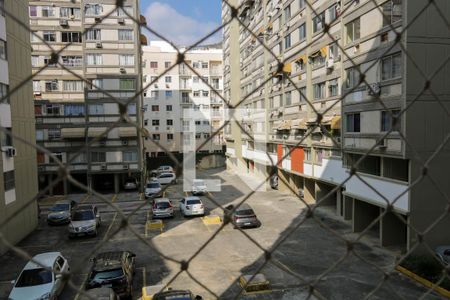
{"x":18,"y":179}
{"x":178,"y":89}
{"x":101,"y":50}
{"x":360,"y":35}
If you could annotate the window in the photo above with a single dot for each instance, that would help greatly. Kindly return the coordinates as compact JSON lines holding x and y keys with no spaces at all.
{"x":9,"y":180}
{"x":2,"y":49}
{"x":302,"y":32}
{"x":205,"y":93}
{"x":196,"y":93}
{"x":391,"y":67}
{"x":73,"y":109}
{"x":124,"y":11}
{"x":6,"y":139}
{"x":73,"y":85}
{"x":54,"y":134}
{"x":97,"y":157}
{"x":48,"y":11}
{"x":168,"y":79}
{"x":52,"y":109}
{"x":72,"y":61}
{"x":333,"y":13}
{"x":206,"y":122}
{"x":39,"y":135}
{"x":34,"y":36}
{"x":333,"y":50}
{"x":287,"y":14}
{"x":96,"y":109}
{"x":69,"y":12}
{"x":392,"y":11}
{"x":33,"y":11}
{"x":206,"y":135}
{"x":93,"y":34}
{"x":156,"y":137}
{"x":353,"y":30}
{"x":352,"y":79}
{"x":155,"y":107}
{"x":369,"y":164}
{"x":204,"y":65}
{"x":319,"y":155}
{"x":94,"y":59}
{"x":195,"y":79}
{"x":36,"y":86}
{"x":301,"y":4}
{"x":308,"y":155}
{"x":126,"y":84}
{"x":198,"y":136}
{"x":318,"y":60}
{"x":131,"y":109}
{"x":170,"y":136}
{"x":125,"y":34}
{"x":167,"y":64}
{"x":333,"y":88}
{"x":153,"y":64}
{"x":169,"y":122}
{"x":287,"y":41}
{"x":49,"y":36}
{"x":97,"y":83}
{"x":319,"y":90}
{"x":168,"y":107}
{"x":93,"y":9}
{"x":155,"y":122}
{"x":126,"y":59}
{"x":387,"y":121}
{"x":48,"y":62}
{"x":51,"y":85}
{"x":198,"y":122}
{"x":396,"y":168}
{"x":353,"y":122}
{"x":288,"y":98}
{"x":128,"y":156}
{"x":318,"y":22}
{"x":195,"y":65}
{"x":169,"y":94}
{"x":154,"y":94}
{"x":4,"y":89}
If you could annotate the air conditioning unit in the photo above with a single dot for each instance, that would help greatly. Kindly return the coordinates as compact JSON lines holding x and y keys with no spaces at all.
{"x":126,"y":167}
{"x":103,"y":167}
{"x":329,"y":63}
{"x":156,"y":86}
{"x":374,"y":89}
{"x":63,"y":22}
{"x":122,"y":70}
{"x":167,"y":85}
{"x":156,"y":128}
{"x":124,"y":142}
{"x":98,"y":19}
{"x":98,"y":45}
{"x":11,"y":151}
{"x":121,"y":21}
{"x":382,"y":145}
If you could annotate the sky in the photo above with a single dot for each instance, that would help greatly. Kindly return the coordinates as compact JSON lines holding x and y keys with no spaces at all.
{"x":182,"y":22}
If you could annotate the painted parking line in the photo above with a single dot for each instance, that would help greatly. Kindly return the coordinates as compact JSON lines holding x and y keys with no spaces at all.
{"x":144,"y":276}
{"x":141,"y":196}
{"x":164,"y":194}
{"x":114,"y":198}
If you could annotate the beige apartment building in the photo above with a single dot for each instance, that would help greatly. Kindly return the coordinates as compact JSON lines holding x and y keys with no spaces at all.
{"x":86,"y":89}
{"x":356,"y":118}
{"x":172,"y":88}
{"x":18,"y":179}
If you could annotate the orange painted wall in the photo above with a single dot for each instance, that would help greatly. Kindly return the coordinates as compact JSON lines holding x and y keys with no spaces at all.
{"x":297,"y":158}
{"x":279,"y":154}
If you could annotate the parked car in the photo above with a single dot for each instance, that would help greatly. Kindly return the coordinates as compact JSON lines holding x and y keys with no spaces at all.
{"x":167,"y":178}
{"x":199,"y":187}
{"x":153,"y":189}
{"x":60,"y":212}
{"x":85,"y":221}
{"x":36,"y":281}
{"x":162,"y":207}
{"x":176,"y":295}
{"x":274,"y":182}
{"x":130,"y":184}
{"x":244,"y":216}
{"x":164,"y":169}
{"x":103,"y":293}
{"x":115,"y":270}
{"x":443,"y":253}
{"x":192,"y":206}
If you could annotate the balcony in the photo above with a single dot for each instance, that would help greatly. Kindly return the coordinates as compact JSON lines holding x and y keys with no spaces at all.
{"x":185,"y":86}
{"x":216,"y":72}
{"x":185,"y":72}
{"x":216,"y":101}
{"x":186,"y":101}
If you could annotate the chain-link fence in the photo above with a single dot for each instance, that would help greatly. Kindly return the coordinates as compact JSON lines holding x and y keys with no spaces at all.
{"x":234,"y":18}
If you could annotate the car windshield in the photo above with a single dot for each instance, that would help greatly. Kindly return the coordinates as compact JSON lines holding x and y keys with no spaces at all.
{"x":245,"y":212}
{"x":105,"y":275}
{"x":162,"y":205}
{"x":166,"y":175}
{"x":83,"y":215}
{"x":60,"y":207}
{"x":153,"y":185}
{"x":34,"y":277}
{"x":190,"y":202}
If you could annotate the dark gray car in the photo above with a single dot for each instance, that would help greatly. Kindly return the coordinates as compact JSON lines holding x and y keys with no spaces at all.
{"x":61,"y":212}
{"x":244,"y":216}
{"x":443,"y":253}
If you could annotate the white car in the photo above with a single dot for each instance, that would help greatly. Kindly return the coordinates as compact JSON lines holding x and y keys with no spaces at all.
{"x":162,"y":207}
{"x":199,"y":187}
{"x":167,"y":178}
{"x":164,"y":169}
{"x":153,"y":189}
{"x":192,"y":206}
{"x":38,"y":283}
{"x":130,"y":184}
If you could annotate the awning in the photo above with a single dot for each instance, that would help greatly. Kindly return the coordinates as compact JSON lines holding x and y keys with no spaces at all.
{"x":127,"y":132}
{"x":285,"y":125}
{"x":324,"y":51}
{"x":72,"y":133}
{"x":287,"y":68}
{"x":261,"y":30}
{"x":143,"y":40}
{"x":336,"y":122}
{"x":311,"y":120}
{"x":270,"y":25}
{"x":144,"y":132}
{"x":326,"y":120}
{"x":301,"y":58}
{"x":298,"y":124}
{"x":96,"y":131}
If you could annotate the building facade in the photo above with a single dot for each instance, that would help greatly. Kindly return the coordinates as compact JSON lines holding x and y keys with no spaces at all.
{"x":86,"y":105}
{"x":18,"y":179}
{"x":325,"y":46}
{"x":171,"y":88}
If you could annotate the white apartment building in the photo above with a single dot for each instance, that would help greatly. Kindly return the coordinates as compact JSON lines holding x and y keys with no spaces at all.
{"x":101,"y":50}
{"x":323,"y":45}
{"x":172,"y":88}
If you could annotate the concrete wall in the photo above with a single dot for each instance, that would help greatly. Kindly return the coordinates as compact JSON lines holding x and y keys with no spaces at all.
{"x":212,"y":161}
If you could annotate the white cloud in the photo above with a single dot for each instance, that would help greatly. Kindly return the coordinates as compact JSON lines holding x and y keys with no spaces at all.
{"x":180,"y":29}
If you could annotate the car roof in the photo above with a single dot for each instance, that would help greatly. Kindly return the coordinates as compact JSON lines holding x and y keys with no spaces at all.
{"x":161,"y":200}
{"x":192,"y":198}
{"x":46,"y":259}
{"x":109,"y":260}
{"x":160,"y":167}
{"x":198,"y":180}
{"x":165,"y":173}
{"x":63,"y":202}
{"x":244,"y":206}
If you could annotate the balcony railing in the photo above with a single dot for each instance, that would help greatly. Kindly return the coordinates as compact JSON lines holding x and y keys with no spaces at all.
{"x":185,"y":72}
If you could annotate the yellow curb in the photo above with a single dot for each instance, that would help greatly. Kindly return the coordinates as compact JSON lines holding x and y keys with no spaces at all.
{"x":212,"y":220}
{"x":114,"y":198}
{"x":423,"y":281}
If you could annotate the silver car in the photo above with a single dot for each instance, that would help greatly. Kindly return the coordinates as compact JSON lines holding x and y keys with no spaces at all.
{"x":153,"y":189}
{"x":162,"y":207}
{"x":60,"y":212}
{"x":85,"y":221}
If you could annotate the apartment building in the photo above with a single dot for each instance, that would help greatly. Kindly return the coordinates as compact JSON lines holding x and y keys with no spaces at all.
{"x":324,"y":46}
{"x":170,"y":89}
{"x":81,"y":95}
{"x":18,"y":179}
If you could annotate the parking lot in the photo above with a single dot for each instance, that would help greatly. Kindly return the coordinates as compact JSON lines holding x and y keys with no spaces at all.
{"x":309,"y":251}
